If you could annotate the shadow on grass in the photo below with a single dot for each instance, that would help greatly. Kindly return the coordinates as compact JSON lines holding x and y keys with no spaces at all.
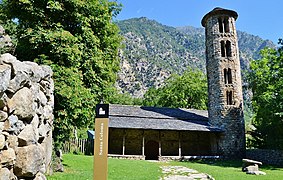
{"x":221,"y":163}
{"x":66,"y":165}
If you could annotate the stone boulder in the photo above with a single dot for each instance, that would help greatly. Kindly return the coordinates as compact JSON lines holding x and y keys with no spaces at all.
{"x":5,"y":76}
{"x":29,"y":161}
{"x":251,"y":167}
{"x":4,"y":174}
{"x":3,"y":100}
{"x":40,"y":176}
{"x":2,"y":141}
{"x":5,"y":40}
{"x":13,"y":124}
{"x":28,"y":136}
{"x":3,"y":116}
{"x":23,"y":104}
{"x":7,"y":157}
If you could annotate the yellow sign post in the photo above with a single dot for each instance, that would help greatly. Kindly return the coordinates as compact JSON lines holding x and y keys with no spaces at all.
{"x":101,"y":142}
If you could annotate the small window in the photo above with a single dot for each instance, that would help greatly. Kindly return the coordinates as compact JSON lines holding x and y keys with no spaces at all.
{"x":229,"y":97}
{"x":222,"y":49}
{"x":226,"y":25}
{"x":229,"y":76}
{"x":223,"y":25}
{"x":228,"y":49}
{"x":220,"y":22}
{"x":225,"y":76}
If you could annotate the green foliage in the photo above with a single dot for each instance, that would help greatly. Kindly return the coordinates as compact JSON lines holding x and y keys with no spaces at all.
{"x":80,"y":42}
{"x":266,"y":80}
{"x":124,"y":98}
{"x":187,"y":91}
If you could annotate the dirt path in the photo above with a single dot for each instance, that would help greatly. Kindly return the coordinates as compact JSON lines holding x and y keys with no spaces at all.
{"x":182,"y":173}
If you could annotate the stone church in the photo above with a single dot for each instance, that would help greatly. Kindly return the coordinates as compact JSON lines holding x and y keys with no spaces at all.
{"x":167,"y":133}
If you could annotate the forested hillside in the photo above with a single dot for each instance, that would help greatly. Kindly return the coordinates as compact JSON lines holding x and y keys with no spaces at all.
{"x":154,"y":51}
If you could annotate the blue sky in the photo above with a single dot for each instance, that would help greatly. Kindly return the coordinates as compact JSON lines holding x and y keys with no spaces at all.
{"x":258,"y":17}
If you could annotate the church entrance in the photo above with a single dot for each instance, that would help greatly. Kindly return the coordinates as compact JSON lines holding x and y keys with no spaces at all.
{"x":151,"y":150}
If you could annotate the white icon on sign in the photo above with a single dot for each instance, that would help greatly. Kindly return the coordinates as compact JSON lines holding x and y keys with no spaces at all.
{"x":101,"y":111}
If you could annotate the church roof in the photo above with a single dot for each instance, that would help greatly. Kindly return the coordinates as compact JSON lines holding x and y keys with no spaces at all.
{"x":140,"y":117}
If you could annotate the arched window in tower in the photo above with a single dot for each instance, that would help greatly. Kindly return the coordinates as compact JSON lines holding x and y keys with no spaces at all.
{"x":220,"y":23}
{"x":225,"y":76}
{"x":229,"y":76}
{"x":226,"y":25}
{"x":229,"y":97}
{"x":228,"y":49}
{"x":222,"y":48}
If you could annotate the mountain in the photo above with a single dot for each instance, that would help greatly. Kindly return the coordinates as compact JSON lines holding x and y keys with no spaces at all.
{"x":153,"y":51}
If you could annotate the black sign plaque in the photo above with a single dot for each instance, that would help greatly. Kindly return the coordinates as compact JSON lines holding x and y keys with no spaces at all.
{"x":102,"y":111}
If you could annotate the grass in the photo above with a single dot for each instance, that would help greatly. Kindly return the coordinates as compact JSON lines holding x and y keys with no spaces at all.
{"x":232,"y":170}
{"x":80,"y":167}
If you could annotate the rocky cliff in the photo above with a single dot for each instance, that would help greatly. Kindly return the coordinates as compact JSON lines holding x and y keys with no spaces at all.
{"x":153,"y":51}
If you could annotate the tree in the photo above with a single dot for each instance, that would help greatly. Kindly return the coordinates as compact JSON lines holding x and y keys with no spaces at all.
{"x":266,"y":80}
{"x":80,"y":42}
{"x":186,"y":91}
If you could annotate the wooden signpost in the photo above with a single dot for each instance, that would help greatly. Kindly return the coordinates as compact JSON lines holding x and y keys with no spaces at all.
{"x":101,"y":142}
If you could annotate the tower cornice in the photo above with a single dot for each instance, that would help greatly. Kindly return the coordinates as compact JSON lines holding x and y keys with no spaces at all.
{"x":219,"y":11}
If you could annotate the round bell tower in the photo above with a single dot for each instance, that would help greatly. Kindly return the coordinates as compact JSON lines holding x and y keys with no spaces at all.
{"x":225,"y":108}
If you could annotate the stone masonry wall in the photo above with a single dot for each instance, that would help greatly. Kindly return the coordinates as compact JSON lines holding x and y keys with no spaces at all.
{"x":266,"y":156}
{"x":26,"y":117}
{"x":224,"y":113}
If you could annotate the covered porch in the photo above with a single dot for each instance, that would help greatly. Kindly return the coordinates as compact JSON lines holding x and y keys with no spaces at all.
{"x":161,"y":133}
{"x":161,"y":144}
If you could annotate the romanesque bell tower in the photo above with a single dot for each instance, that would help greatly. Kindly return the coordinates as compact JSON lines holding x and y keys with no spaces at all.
{"x":225,"y":97}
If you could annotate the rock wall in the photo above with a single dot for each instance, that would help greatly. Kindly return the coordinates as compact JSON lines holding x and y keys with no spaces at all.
{"x":266,"y":156}
{"x":26,"y":117}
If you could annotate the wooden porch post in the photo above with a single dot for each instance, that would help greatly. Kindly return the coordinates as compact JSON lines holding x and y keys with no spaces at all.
{"x":180,"y":145}
{"x":124,"y":139}
{"x":159,"y":144}
{"x":143,"y":143}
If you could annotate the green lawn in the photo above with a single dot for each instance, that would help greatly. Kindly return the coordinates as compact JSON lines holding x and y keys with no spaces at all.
{"x":232,"y":170}
{"x":80,"y":167}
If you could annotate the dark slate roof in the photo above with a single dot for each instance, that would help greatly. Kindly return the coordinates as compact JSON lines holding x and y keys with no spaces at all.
{"x":139,"y":117}
{"x":216,"y":11}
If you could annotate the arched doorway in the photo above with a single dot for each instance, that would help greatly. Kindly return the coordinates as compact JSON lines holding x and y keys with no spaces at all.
{"x":151,"y":150}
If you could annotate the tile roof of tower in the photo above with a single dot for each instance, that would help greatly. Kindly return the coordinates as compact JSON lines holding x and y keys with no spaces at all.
{"x":216,"y":11}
